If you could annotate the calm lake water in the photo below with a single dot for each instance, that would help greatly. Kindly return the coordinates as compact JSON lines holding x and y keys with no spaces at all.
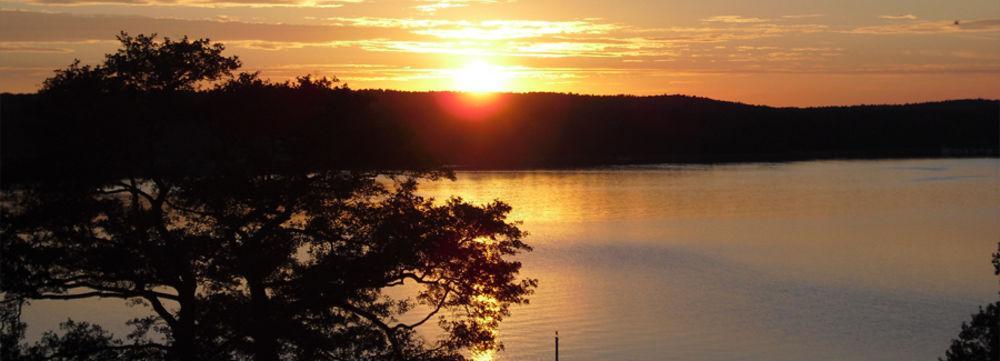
{"x":824,"y":260}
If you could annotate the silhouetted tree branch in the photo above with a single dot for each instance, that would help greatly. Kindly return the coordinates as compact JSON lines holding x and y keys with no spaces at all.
{"x":979,"y":339}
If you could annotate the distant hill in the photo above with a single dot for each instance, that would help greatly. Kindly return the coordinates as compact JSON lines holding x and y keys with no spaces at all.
{"x":545,"y":129}
{"x":280,"y":128}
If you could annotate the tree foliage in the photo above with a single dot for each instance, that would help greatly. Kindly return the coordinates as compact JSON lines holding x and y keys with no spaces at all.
{"x":273,"y":265}
{"x":82,"y":341}
{"x":143,"y":64}
{"x":259,"y":243}
{"x":996,"y":261}
{"x":11,"y":327}
{"x":979,"y":339}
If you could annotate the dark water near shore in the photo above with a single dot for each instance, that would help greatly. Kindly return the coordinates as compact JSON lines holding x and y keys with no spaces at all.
{"x":823,"y":260}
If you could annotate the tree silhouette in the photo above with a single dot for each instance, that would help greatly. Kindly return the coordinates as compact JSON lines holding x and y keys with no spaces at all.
{"x":127,"y":253}
{"x":143,"y":64}
{"x":979,"y":339}
{"x":996,"y":261}
{"x":82,"y":341}
{"x":252,"y":250}
{"x":84,"y":240}
{"x":11,"y":327}
{"x":271,"y":265}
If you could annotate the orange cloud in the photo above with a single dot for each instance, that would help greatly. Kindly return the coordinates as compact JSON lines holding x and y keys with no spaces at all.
{"x":203,"y":3}
{"x":734,"y":19}
{"x":932,"y":27}
{"x":899,"y":17}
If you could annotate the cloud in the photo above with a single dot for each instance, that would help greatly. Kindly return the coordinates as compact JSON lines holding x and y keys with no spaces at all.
{"x":287,"y":45}
{"x":38,"y":26}
{"x":532,"y":49}
{"x":482,"y":30}
{"x":979,"y":25}
{"x":32,"y":47}
{"x":733,"y":19}
{"x":899,"y":17}
{"x":435,"y":77}
{"x":931,"y":27}
{"x":582,"y":38}
{"x":432,"y":6}
{"x":515,"y":29}
{"x":203,"y":3}
{"x":925,"y":69}
{"x":352,"y":72}
{"x":773,"y":54}
{"x":519,"y":38}
{"x":724,"y":44}
{"x":743,"y":31}
{"x":802,"y":16}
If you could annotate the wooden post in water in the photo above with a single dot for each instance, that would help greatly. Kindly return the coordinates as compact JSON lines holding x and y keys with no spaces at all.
{"x":557,"y":345}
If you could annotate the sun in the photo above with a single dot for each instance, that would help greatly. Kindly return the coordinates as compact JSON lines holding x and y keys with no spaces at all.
{"x":480,"y":77}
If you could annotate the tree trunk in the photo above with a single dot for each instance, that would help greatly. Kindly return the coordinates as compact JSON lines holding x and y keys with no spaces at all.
{"x":265,"y":342}
{"x":184,"y":348}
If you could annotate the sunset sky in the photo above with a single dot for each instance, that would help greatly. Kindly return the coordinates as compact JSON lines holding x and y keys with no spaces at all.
{"x":773,"y":52}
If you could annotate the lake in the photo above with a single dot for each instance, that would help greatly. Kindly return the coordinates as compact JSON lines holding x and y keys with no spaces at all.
{"x":823,"y":260}
{"x":819,"y":260}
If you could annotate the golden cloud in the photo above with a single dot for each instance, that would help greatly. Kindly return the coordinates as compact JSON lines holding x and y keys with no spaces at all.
{"x":734,"y":19}
{"x":932,"y":27}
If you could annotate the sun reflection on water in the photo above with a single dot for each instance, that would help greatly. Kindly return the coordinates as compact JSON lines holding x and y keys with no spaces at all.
{"x":485,"y":355}
{"x":487,"y":306}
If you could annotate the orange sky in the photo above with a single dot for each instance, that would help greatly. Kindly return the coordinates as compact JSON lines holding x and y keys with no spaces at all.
{"x":772,"y":52}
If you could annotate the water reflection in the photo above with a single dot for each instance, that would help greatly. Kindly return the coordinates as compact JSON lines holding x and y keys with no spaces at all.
{"x":814,"y":260}
{"x":488,"y":307}
{"x":484,"y":355}
{"x":843,"y":220}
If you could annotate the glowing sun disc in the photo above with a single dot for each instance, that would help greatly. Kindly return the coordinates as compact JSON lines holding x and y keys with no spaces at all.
{"x":480,"y":77}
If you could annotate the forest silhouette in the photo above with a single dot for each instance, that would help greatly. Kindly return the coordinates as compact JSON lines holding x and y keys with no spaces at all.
{"x":305,"y":124}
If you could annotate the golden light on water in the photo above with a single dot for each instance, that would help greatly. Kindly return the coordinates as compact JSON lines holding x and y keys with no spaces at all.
{"x":486,"y":355}
{"x":488,"y":306}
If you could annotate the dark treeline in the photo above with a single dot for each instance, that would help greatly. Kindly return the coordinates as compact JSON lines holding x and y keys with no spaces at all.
{"x":312,"y":123}
{"x":545,"y":129}
{"x":247,"y":127}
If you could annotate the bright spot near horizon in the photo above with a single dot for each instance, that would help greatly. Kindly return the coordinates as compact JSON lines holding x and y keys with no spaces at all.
{"x":486,"y":355}
{"x":480,"y":77}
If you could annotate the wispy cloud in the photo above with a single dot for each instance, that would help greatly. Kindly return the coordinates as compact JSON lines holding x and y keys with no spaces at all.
{"x":534,"y":49}
{"x":515,"y":29}
{"x":803,"y":16}
{"x":734,"y":19}
{"x":432,"y":6}
{"x":202,"y":3}
{"x":32,"y":47}
{"x":742,"y":31}
{"x":482,"y":30}
{"x":899,"y":17}
{"x":33,"y":26}
{"x":527,"y":77}
{"x":932,"y":27}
